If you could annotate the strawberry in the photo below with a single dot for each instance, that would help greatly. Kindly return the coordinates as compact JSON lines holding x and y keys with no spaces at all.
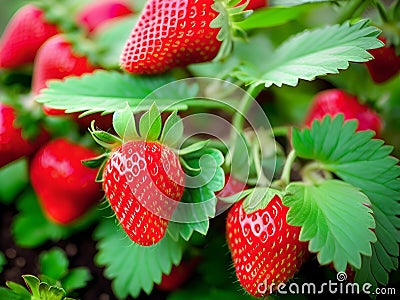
{"x":254,"y":4}
{"x":23,"y":36}
{"x":65,"y":187}
{"x":265,"y":249}
{"x":232,"y":186}
{"x":57,"y":59}
{"x":179,"y":275}
{"x":386,"y":63}
{"x":335,"y":101}
{"x":170,"y":34}
{"x":96,"y":13}
{"x":12,"y":144}
{"x":140,"y":179}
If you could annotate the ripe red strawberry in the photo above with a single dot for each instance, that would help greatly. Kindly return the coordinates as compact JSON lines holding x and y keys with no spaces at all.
{"x":139,"y":179}
{"x":179,"y":275}
{"x":255,"y":4}
{"x":56,"y":59}
{"x":12,"y":144}
{"x":96,"y":13}
{"x":386,"y":63}
{"x":335,"y":101}
{"x":65,"y":187}
{"x":170,"y":34}
{"x":265,"y":248}
{"x":232,"y":187}
{"x":23,"y":36}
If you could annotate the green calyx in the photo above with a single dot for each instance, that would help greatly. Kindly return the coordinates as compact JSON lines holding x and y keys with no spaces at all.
{"x":229,"y":15}
{"x":149,"y":129}
{"x":38,"y":290}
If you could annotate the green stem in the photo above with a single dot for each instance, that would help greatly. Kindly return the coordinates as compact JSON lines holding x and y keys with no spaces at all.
{"x":350,"y":10}
{"x":246,"y":102}
{"x":285,"y":177}
{"x":280,"y":130}
{"x":382,"y":11}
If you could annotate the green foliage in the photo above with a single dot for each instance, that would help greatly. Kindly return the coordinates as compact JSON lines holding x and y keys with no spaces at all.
{"x":274,"y":16}
{"x":334,"y":218}
{"x":366,"y":164}
{"x":54,"y":270}
{"x":90,"y":94}
{"x":31,"y":228}
{"x":3,"y":261}
{"x":38,"y":290}
{"x":206,"y":177}
{"x":132,"y":267}
{"x":150,"y":124}
{"x":13,"y":179}
{"x":313,"y":53}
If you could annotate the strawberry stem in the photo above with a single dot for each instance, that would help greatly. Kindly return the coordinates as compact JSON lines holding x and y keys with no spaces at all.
{"x":287,"y":168}
{"x":352,"y":10}
{"x":246,"y":102}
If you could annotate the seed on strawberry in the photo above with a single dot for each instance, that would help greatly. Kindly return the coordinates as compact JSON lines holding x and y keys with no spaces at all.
{"x":96,"y":13}
{"x":65,"y":187}
{"x":265,"y":249}
{"x":170,"y":34}
{"x":386,"y":63}
{"x":335,"y":101}
{"x":23,"y":36}
{"x":143,"y":182}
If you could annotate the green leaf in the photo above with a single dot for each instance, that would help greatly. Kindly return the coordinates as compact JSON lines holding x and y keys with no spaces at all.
{"x":54,"y":263}
{"x":274,"y":16}
{"x":335,"y":219}
{"x":48,"y":292}
{"x":206,"y":177}
{"x":150,"y":124}
{"x":313,"y":53}
{"x":76,"y":279}
{"x":258,"y":198}
{"x":14,"y":178}
{"x":124,"y":124}
{"x":18,"y":289}
{"x":172,"y":131}
{"x":33,"y":283}
{"x":110,"y":91}
{"x":11,"y":295}
{"x":3,"y":261}
{"x":366,"y":164}
{"x":31,"y":228}
{"x":132,"y":267}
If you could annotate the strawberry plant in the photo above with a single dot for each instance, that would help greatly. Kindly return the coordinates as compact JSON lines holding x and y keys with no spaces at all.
{"x":182,"y":149}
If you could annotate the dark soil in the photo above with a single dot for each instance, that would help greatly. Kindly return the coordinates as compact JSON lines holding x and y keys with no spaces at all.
{"x":80,"y":250}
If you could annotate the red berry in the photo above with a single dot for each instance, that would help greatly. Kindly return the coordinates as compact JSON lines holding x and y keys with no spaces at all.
{"x":386,"y":63}
{"x":139,"y":179}
{"x":23,"y":36}
{"x":255,"y":4}
{"x":96,"y":13}
{"x":265,"y":249}
{"x":179,"y":275}
{"x":56,"y":59}
{"x":12,"y":144}
{"x":170,"y":34}
{"x":335,"y":101}
{"x":65,"y":187}
{"x":232,"y":187}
